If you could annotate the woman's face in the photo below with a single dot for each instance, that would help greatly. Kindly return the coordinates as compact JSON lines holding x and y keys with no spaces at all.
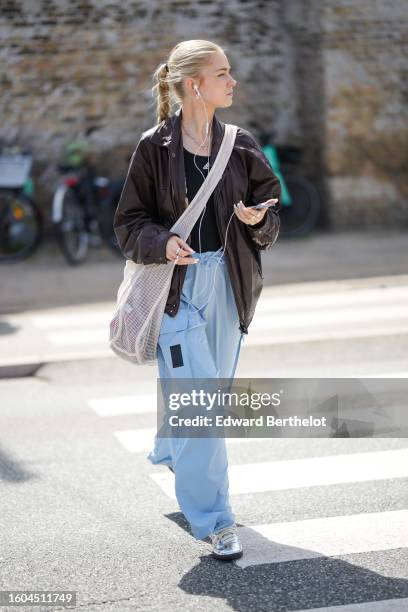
{"x":216,"y":83}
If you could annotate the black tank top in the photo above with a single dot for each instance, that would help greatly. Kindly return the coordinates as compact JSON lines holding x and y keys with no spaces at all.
{"x":210,"y":239}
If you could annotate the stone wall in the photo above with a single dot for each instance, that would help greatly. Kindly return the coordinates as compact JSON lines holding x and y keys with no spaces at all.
{"x":366,"y":125}
{"x":315,"y":73}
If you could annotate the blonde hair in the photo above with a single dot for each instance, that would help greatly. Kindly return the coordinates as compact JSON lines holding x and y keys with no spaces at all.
{"x":186,"y":59}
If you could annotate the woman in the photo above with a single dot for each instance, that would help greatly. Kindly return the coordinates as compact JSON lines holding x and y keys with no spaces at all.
{"x":217,"y":278}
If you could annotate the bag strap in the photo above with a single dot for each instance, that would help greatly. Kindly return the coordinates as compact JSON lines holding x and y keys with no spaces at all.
{"x":187,"y":220}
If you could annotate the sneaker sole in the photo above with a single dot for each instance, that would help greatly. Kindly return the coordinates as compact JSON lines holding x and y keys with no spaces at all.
{"x":231,"y":557}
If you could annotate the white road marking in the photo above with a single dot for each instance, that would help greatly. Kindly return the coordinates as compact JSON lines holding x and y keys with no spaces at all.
{"x":279,"y":299}
{"x":308,"y":472}
{"x":89,"y":318}
{"x":274,"y":299}
{"x":277,"y":335}
{"x":332,"y":316}
{"x":285,"y":314}
{"x":76,"y":337}
{"x":141,"y":440}
{"x":143,"y":403}
{"x":323,"y":537}
{"x":137,"y":440}
{"x":278,"y":328}
{"x":387,"y":605}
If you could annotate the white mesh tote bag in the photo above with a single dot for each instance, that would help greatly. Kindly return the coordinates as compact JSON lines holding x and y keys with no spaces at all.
{"x":143,"y":293}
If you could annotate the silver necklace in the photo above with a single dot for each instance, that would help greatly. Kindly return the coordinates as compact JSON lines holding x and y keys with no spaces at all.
{"x":207,"y":167}
{"x":193,"y":139}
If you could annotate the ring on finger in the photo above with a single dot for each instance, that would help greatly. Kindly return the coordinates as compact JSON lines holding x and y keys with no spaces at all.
{"x":178,"y":250}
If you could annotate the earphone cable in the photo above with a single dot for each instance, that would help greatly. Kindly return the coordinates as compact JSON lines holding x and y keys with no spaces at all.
{"x":208,"y":133}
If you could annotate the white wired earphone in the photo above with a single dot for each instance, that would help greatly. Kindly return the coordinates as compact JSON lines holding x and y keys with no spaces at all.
{"x":207,"y":134}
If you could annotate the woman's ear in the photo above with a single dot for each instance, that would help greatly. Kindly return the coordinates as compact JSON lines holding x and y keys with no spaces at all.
{"x":189,"y":86}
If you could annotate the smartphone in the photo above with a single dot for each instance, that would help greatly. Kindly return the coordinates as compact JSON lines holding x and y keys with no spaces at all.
{"x":266,"y":204}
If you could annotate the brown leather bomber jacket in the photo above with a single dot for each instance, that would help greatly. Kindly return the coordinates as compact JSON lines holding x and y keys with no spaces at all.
{"x":154,"y":197}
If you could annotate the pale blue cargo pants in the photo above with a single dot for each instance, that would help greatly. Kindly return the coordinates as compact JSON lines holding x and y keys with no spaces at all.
{"x":202,"y":341}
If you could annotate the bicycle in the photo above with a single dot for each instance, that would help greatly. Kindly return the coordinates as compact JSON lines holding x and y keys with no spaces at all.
{"x":21,"y":222}
{"x":300,"y":200}
{"x":83,"y":206}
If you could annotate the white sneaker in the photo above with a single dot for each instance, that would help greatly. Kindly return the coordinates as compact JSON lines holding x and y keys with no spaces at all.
{"x":226,"y":544}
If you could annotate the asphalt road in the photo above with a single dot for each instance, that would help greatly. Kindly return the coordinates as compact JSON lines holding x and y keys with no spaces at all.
{"x":84,"y":510}
{"x":323,"y":521}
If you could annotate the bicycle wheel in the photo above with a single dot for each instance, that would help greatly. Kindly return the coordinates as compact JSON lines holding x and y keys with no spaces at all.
{"x":20,"y":226}
{"x":300,"y":218}
{"x":107,"y":210}
{"x":70,"y":228}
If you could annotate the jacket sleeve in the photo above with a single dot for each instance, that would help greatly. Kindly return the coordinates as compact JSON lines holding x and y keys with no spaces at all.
{"x":140,"y":236}
{"x":263,"y":185}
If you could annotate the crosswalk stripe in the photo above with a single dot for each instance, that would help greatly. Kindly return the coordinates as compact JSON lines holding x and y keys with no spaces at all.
{"x":270,"y":331}
{"x":53,"y":320}
{"x":49,"y":357}
{"x":386,"y":605}
{"x":98,"y":335}
{"x":141,"y":440}
{"x":402,"y":374}
{"x":283,"y":315}
{"x":275,"y":300}
{"x":319,"y":324}
{"x":323,"y":537}
{"x":137,"y":440}
{"x":143,"y":403}
{"x":334,"y":316}
{"x":308,"y":472}
{"x":277,"y":335}
{"x":283,"y":299}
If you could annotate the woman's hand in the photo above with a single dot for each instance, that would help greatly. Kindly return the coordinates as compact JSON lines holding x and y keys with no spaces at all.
{"x":178,"y":251}
{"x":250,"y":216}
